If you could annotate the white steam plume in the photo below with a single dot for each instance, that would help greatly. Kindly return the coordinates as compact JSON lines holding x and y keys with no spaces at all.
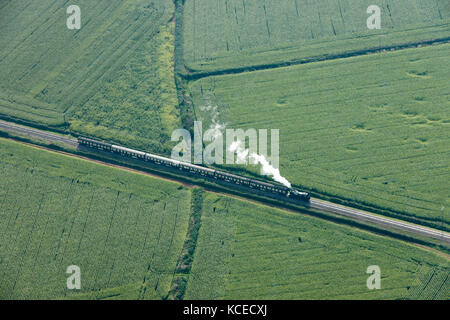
{"x":216,"y":126}
{"x":267,"y":169}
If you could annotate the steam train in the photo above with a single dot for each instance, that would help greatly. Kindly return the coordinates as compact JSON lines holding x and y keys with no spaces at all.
{"x":268,"y":189}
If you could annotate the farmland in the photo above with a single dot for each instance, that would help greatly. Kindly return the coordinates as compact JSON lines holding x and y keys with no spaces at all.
{"x":372,"y":129}
{"x":111,"y":79}
{"x":124,"y":230}
{"x":362,"y":123}
{"x":248,"y":33}
{"x":248,"y":251}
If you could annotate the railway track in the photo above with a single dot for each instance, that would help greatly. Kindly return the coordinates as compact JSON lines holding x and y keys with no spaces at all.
{"x":52,"y":137}
{"x":379,"y":220}
{"x":317,"y":204}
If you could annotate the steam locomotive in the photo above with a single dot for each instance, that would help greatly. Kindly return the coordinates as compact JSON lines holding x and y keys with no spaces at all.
{"x":265,"y":188}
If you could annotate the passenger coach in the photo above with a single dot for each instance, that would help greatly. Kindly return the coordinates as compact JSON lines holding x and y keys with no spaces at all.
{"x":218,"y":176}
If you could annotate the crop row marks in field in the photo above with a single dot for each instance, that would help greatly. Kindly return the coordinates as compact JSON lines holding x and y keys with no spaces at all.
{"x":43,"y":233}
{"x":38,"y":251}
{"x":148,"y":272}
{"x":342,"y":162}
{"x":11,"y":110}
{"x":444,"y":284}
{"x":166,"y":255}
{"x":37,"y":22}
{"x":154,"y":273}
{"x":135,"y":234}
{"x":303,"y":247}
{"x":370,"y":194}
{"x":12,"y":113}
{"x":106,"y":240}
{"x":300,"y":265}
{"x":40,"y":89}
{"x":411,"y":97}
{"x":15,"y":211}
{"x":315,"y":281}
{"x":149,"y":223}
{"x":162,"y":270}
{"x":356,"y":292}
{"x":70,"y":209}
{"x":325,"y":184}
{"x":24,"y":253}
{"x":112,"y":64}
{"x":93,"y":238}
{"x":112,"y":16}
{"x":427,"y":283}
{"x":307,"y":289}
{"x":341,"y":101}
{"x":83,"y":232}
{"x":5,"y":4}
{"x":75,"y":216}
{"x":383,"y":145}
{"x":126,"y":212}
{"x":319,"y":249}
{"x":5,"y":178}
{"x":104,"y":270}
{"x":345,"y":163}
{"x":27,"y":107}
{"x":30,"y":69}
{"x":99,"y":64}
{"x":355,"y":276}
{"x":431,"y":284}
{"x":367,"y":160}
{"x":102,"y":68}
{"x":13,"y":233}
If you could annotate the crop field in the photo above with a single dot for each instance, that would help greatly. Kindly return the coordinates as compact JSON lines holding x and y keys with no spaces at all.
{"x":125,"y":231}
{"x":219,"y":35}
{"x":363,"y":117}
{"x":373,"y":129}
{"x":112,"y":79}
{"x":248,"y":251}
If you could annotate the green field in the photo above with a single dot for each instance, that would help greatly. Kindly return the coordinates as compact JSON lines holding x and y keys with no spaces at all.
{"x":247,"y":251}
{"x":112,"y":79}
{"x":128,"y":234}
{"x":124,"y":230}
{"x":372,"y":129}
{"x":220,"y":35}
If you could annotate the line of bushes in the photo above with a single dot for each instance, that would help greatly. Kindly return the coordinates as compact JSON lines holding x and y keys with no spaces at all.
{"x":186,"y":258}
{"x":184,"y":100}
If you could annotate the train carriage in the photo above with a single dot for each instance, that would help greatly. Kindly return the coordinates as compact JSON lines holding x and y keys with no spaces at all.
{"x":264,"y":187}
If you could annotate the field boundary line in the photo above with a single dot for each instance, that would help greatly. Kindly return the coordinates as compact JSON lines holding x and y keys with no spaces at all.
{"x":192,"y":75}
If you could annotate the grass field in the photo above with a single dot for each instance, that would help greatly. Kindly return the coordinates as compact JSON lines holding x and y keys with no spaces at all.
{"x":374,"y":129}
{"x":220,"y":35}
{"x":112,"y":79}
{"x":125,"y":231}
{"x":247,"y":251}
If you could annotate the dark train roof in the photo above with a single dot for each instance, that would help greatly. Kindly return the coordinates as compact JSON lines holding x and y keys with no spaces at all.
{"x":266,"y":184}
